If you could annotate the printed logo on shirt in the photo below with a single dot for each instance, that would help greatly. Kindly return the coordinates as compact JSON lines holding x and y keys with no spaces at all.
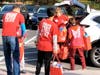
{"x":61,"y":28}
{"x":76,"y":34}
{"x":62,"y":21}
{"x":10,"y":17}
{"x":56,"y":20}
{"x":45,"y":31}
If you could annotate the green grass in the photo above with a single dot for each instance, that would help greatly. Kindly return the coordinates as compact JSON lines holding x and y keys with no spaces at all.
{"x":92,"y":4}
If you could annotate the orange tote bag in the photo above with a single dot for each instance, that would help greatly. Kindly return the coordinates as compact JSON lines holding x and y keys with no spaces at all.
{"x":63,"y":52}
{"x":87,"y":43}
{"x":21,"y":48}
{"x":56,"y":67}
{"x":62,"y":34}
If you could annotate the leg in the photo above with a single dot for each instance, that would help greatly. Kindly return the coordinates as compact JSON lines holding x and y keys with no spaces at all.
{"x":21,"y":50}
{"x":15,"y":51}
{"x":72,"y":58}
{"x":47,"y":59}
{"x":7,"y":54}
{"x":39,"y":62}
{"x":82,"y":57}
{"x":22,"y":65}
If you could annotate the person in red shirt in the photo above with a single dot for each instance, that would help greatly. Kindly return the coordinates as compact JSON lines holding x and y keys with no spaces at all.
{"x":12,"y":21}
{"x":21,"y":49}
{"x":47,"y":41}
{"x":75,"y":35}
{"x":61,"y":20}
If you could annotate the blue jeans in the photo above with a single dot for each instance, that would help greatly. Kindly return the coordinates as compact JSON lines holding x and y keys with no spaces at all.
{"x":11,"y":53}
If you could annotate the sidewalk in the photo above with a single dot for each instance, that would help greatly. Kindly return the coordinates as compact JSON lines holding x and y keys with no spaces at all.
{"x":66,"y":72}
{"x":30,"y":69}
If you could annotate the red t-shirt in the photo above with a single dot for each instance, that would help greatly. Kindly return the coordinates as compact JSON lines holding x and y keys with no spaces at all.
{"x":11,"y":23}
{"x":47,"y":29}
{"x":76,"y":34}
{"x":61,"y":20}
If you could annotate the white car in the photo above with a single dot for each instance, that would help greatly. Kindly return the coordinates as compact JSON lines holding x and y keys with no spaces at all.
{"x":93,"y":20}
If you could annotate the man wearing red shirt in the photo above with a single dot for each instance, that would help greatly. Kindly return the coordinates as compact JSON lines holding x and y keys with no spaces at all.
{"x":47,"y":41}
{"x":12,"y":21}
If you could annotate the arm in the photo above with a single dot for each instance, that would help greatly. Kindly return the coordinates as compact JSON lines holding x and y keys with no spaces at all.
{"x":55,"y":35}
{"x":67,"y":19}
{"x":23,"y":29}
{"x":37,"y":36}
{"x":55,"y":48}
{"x":69,"y":34}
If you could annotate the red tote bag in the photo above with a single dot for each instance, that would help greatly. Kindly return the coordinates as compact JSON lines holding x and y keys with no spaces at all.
{"x":62,"y":34}
{"x":87,"y":43}
{"x":21,"y":48}
{"x":56,"y":67}
{"x":63,"y":52}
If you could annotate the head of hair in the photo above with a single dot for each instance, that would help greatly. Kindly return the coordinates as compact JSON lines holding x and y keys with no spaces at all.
{"x":50,"y":11}
{"x":58,"y":9}
{"x":16,"y":6}
{"x":72,"y":20}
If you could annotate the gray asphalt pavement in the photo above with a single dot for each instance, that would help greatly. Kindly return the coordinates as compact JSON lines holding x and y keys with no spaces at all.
{"x":31,"y":57}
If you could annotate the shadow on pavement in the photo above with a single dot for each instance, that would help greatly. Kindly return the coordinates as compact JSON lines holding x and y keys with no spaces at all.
{"x":30,"y":55}
{"x":70,"y":74}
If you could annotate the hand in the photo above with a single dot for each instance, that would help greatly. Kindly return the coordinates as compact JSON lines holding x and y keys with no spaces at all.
{"x":55,"y":52}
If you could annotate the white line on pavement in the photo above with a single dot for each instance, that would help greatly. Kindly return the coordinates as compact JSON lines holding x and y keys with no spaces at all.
{"x":30,"y":52}
{"x":1,"y":58}
{"x":33,"y":38}
{"x":30,"y":59}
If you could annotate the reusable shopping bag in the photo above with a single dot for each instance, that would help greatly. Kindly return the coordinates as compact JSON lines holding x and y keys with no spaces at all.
{"x":87,"y":42}
{"x":56,"y":67}
{"x":63,"y":52}
{"x":21,"y":48}
{"x":62,"y":34}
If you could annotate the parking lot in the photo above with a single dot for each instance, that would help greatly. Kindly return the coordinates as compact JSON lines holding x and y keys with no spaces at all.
{"x":31,"y":57}
{"x":33,"y":15}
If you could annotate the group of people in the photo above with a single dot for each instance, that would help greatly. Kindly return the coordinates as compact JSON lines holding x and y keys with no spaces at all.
{"x":47,"y":39}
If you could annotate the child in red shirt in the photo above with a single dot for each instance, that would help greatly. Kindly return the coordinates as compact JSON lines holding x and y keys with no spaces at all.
{"x":75,"y":35}
{"x":46,"y":42}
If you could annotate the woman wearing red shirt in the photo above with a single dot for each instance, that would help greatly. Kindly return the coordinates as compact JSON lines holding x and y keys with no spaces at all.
{"x":61,"y":20}
{"x":46,"y":41}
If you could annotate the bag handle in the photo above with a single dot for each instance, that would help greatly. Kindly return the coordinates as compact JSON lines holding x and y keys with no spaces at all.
{"x":56,"y":57}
